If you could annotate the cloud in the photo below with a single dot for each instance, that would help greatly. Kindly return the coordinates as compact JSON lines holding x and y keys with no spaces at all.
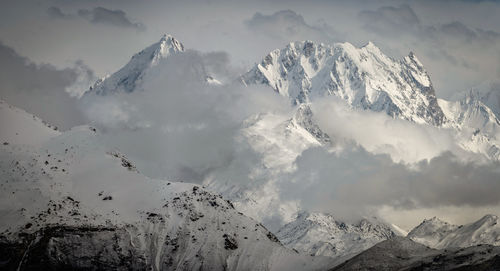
{"x":40,"y":89}
{"x":288,"y":25}
{"x":100,"y":15}
{"x":56,"y":13}
{"x":390,"y":20}
{"x":355,"y":182}
{"x":175,"y":126}
{"x":378,"y":133}
{"x":402,"y":20}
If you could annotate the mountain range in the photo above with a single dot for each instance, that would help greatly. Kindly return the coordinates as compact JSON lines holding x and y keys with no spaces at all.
{"x":66,"y":190}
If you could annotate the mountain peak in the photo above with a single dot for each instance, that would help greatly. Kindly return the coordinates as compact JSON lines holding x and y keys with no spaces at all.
{"x":322,"y":234}
{"x":370,"y":46}
{"x":167,"y":46}
{"x":129,"y":76}
{"x":364,"y":77}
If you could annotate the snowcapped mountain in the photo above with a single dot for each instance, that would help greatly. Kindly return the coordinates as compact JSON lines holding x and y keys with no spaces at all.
{"x":127,"y":78}
{"x":303,"y":71}
{"x":322,"y":234}
{"x":364,"y":77}
{"x":439,"y":234}
{"x":66,"y":202}
{"x":477,"y":125}
{"x":401,"y":253}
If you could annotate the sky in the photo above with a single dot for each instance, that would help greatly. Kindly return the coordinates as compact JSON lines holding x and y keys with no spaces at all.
{"x":458,"y":41}
{"x":51,"y":51}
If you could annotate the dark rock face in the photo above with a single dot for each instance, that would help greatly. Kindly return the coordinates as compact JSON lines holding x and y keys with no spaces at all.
{"x":72,"y":248}
{"x":403,"y":254}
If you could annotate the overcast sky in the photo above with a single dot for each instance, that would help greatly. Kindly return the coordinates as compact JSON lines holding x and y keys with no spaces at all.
{"x":52,"y":50}
{"x":458,"y":41}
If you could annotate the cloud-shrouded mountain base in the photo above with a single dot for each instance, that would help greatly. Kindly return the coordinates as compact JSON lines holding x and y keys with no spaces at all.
{"x":69,"y":202}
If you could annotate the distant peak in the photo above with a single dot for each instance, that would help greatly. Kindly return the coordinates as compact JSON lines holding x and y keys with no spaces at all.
{"x":166,"y":37}
{"x":172,"y":42}
{"x":434,"y":221}
{"x":370,"y":45}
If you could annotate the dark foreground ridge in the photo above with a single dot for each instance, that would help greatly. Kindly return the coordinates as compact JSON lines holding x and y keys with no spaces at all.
{"x":404,"y":254}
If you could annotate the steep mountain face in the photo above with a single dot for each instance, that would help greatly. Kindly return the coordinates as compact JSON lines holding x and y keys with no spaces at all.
{"x":364,"y":77}
{"x":478,"y":128}
{"x":322,"y":234}
{"x":128,"y":78}
{"x":68,"y":203}
{"x":431,"y":231}
{"x":438,"y":234}
{"x":403,"y":254}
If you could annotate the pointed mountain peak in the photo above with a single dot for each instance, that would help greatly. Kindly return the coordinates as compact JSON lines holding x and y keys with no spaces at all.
{"x":166,"y":46}
{"x":434,"y":220}
{"x":127,"y":78}
{"x":370,"y":46}
{"x":172,"y":42}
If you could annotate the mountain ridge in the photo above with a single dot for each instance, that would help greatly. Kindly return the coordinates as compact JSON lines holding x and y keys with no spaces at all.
{"x":364,"y":77}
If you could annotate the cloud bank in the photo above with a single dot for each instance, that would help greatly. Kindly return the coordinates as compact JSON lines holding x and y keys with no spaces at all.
{"x":98,"y":15}
{"x":41,"y":88}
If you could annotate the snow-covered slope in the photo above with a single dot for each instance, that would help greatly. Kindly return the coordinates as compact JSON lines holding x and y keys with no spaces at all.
{"x":478,"y":128}
{"x":322,"y":234}
{"x":20,"y":127}
{"x":403,"y":254}
{"x":431,"y":231}
{"x":438,"y":234}
{"x":71,"y":203}
{"x":364,"y":77}
{"x":127,"y":78}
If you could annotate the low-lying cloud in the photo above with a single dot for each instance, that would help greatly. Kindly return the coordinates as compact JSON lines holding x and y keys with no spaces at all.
{"x":178,"y":127}
{"x":356,"y":183}
{"x":40,"y":89}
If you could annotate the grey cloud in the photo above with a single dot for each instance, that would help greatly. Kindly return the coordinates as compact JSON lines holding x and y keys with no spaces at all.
{"x":290,"y":26}
{"x":178,"y":127}
{"x":57,"y":13}
{"x":100,"y":15}
{"x":390,"y":20}
{"x":357,"y":183}
{"x":402,"y":20}
{"x":39,"y":89}
{"x":458,"y":29}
